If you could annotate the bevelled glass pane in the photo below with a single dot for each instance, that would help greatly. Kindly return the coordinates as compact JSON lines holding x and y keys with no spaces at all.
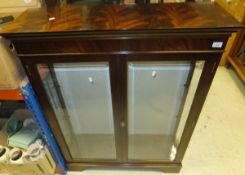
{"x":156,"y":98}
{"x":80,"y":95}
{"x":193,"y":83}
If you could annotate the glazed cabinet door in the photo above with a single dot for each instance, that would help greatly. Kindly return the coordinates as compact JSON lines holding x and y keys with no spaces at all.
{"x":122,"y":109}
{"x":159,"y":98}
{"x":79,"y":104}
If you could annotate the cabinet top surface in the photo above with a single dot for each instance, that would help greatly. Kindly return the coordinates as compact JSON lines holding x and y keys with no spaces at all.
{"x":172,"y":17}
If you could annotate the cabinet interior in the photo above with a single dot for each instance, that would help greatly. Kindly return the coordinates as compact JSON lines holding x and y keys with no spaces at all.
{"x":159,"y":96}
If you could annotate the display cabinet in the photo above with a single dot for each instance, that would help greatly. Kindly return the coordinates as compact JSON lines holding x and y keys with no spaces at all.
{"x":122,"y":85}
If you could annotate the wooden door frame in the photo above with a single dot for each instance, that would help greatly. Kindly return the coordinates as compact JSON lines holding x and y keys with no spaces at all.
{"x":31,"y":63}
{"x":209,"y":69}
{"x":118,"y":76}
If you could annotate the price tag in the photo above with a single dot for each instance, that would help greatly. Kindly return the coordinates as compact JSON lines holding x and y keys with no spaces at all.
{"x":217,"y":44}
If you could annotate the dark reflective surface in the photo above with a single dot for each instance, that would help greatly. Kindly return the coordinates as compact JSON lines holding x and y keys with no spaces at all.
{"x":168,"y":16}
{"x":94,"y":2}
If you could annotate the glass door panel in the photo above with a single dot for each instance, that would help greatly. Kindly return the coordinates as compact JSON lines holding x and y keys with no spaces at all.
{"x":156,"y":96}
{"x":80,"y":95}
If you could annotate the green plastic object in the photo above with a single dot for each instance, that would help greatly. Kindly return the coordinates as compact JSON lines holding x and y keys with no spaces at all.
{"x":13,"y":126}
{"x":24,"y":137}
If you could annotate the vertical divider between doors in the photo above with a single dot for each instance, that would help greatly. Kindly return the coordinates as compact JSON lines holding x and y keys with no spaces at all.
{"x":119,"y":97}
{"x":123,"y":82}
{"x":116,"y":103}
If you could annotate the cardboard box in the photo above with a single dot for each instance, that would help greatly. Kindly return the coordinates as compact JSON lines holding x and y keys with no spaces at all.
{"x":45,"y":166}
{"x":11,"y":70}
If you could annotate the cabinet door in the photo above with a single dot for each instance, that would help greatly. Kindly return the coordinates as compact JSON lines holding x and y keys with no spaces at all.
{"x":158,"y":103}
{"x":81,"y":98}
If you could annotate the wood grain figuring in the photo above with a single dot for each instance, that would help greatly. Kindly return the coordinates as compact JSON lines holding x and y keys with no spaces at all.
{"x":116,"y":45}
{"x":123,"y":17}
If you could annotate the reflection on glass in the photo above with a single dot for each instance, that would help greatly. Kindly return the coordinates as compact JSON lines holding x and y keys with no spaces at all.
{"x":156,"y":95}
{"x":80,"y":95}
{"x":197,"y":71}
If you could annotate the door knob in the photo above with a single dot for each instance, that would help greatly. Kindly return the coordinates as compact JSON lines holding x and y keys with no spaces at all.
{"x":154,"y":74}
{"x":90,"y":79}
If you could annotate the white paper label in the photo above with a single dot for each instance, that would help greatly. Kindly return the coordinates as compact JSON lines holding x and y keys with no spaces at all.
{"x":217,"y":44}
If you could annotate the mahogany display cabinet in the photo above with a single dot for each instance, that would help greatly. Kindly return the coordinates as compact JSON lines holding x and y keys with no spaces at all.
{"x":122,"y":85}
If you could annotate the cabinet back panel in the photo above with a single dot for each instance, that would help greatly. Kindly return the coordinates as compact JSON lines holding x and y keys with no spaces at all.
{"x":89,"y":103}
{"x":154,"y":102}
{"x":80,"y":95}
